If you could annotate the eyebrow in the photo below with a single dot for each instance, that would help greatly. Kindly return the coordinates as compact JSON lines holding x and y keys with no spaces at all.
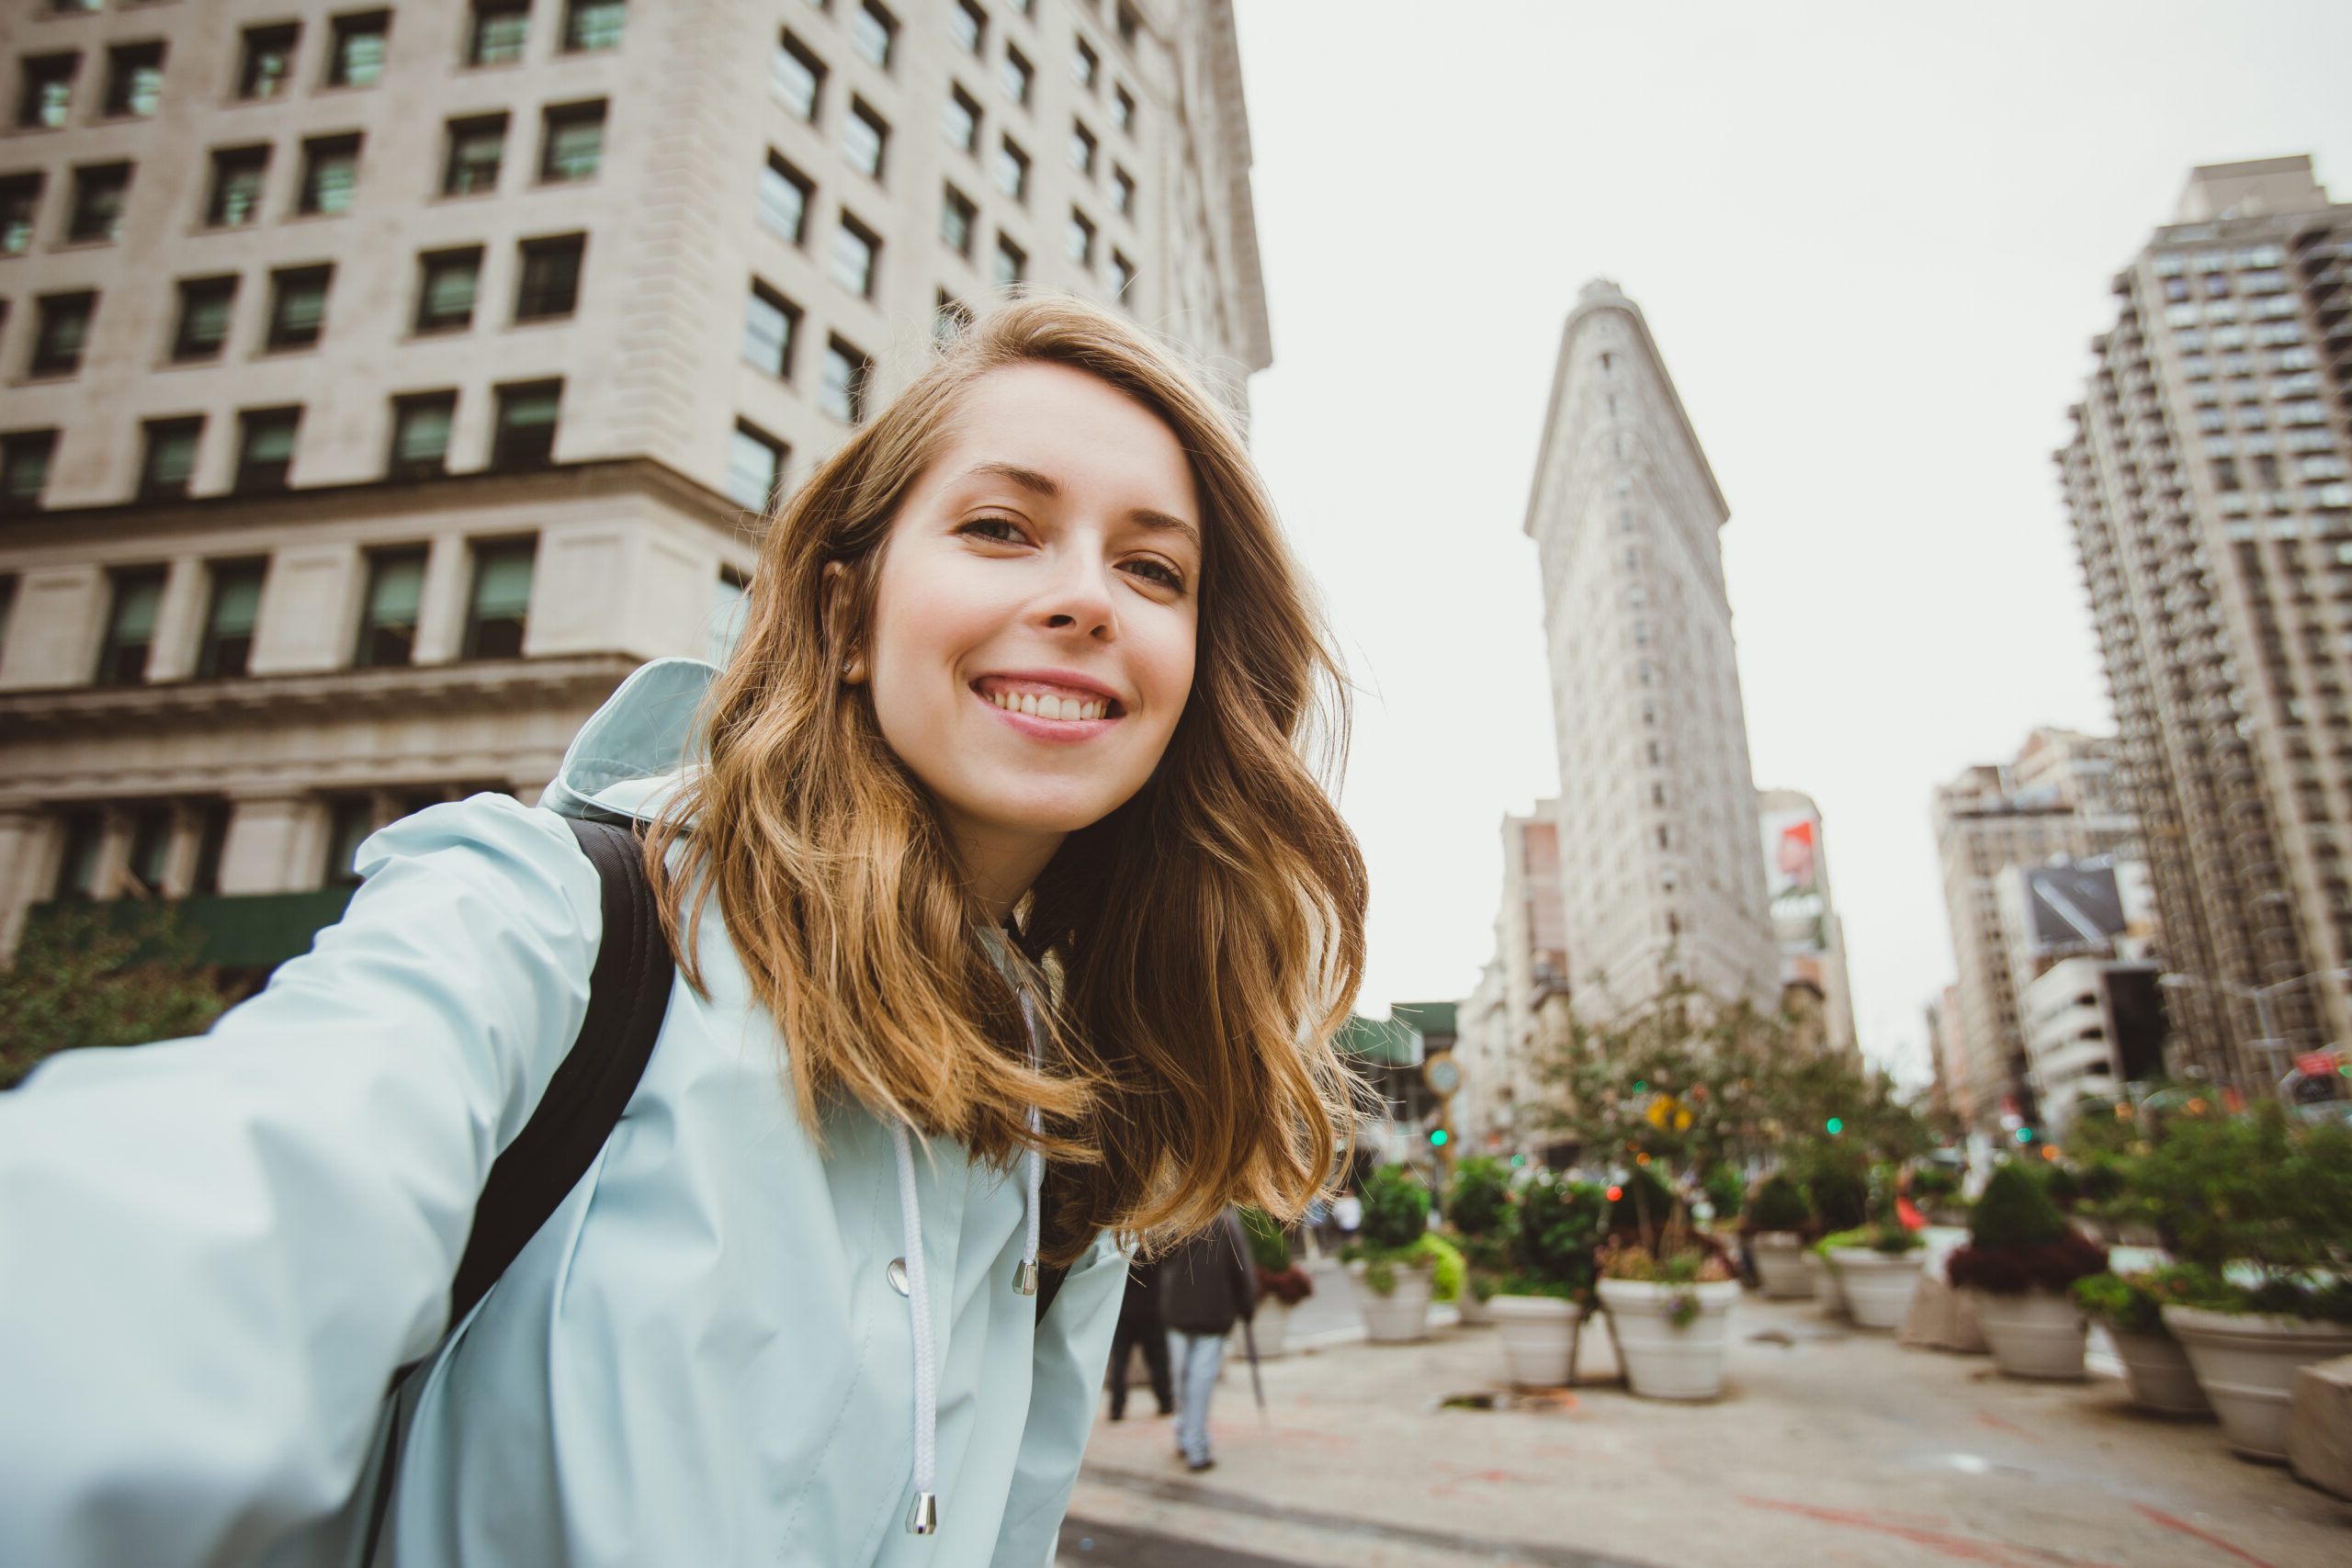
{"x":1050,"y":488}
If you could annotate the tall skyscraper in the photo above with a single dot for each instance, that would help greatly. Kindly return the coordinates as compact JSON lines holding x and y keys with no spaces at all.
{"x":2210,"y":485}
{"x":1504,"y":1027}
{"x":1805,"y":915}
{"x":1659,"y":871}
{"x":2057,"y":800}
{"x":384,"y":382}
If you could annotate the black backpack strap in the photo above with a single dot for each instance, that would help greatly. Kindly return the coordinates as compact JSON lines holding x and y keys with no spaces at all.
{"x":628,"y":993}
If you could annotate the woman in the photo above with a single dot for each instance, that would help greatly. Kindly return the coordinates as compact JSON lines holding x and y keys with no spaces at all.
{"x":993,"y":841}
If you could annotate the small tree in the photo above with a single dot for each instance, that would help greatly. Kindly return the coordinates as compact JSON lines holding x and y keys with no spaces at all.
{"x":102,"y":975}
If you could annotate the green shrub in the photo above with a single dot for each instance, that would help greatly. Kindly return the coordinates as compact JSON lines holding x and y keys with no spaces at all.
{"x":2064,"y":1189}
{"x":1932,"y":1181}
{"x":1840,"y":1192}
{"x":2016,"y":1211}
{"x":1725,"y":1191}
{"x":1396,"y":1209}
{"x":1779,"y":1206}
{"x":1447,"y":1276}
{"x":1479,"y":1200}
{"x":2135,"y":1302}
{"x":1560,"y":1224}
{"x":1644,"y":1202}
{"x":1268,"y":1249}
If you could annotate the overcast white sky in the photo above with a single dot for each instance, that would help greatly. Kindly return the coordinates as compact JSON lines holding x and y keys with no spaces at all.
{"x":1872,"y":247}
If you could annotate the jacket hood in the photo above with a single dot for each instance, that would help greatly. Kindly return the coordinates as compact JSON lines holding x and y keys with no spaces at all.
{"x":628,"y":759}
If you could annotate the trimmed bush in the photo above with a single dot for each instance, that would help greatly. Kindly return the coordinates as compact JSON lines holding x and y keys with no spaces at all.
{"x":1560,"y":1223}
{"x":1268,"y":1249}
{"x":2016,"y":1211}
{"x":1727,"y":1192}
{"x":1840,"y":1195}
{"x":1780,"y":1205}
{"x":1396,"y":1209}
{"x":2018,"y":1241}
{"x":1479,"y":1200}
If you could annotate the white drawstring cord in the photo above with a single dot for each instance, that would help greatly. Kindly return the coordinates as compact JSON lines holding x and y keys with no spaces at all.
{"x":1024,"y":1275}
{"x":924,"y":1519}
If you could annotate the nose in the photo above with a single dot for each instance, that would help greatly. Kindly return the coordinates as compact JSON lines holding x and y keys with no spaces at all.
{"x":1078,"y":596}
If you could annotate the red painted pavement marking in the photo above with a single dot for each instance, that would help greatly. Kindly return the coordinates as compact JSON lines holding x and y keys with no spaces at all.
{"x":2185,"y":1528}
{"x":1968,"y":1549}
{"x":2000,"y":1426}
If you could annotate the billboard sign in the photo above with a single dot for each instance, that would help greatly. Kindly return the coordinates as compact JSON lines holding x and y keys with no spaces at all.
{"x":1792,"y":883}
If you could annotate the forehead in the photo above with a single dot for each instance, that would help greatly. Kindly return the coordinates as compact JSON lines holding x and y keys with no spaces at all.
{"x":1097,"y":444}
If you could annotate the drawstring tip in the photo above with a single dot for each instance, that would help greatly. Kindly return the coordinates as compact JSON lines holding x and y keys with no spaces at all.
{"x":1025,"y":1277}
{"x":923,"y":1518}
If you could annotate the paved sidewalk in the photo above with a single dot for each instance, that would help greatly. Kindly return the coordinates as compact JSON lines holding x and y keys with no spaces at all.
{"x":1830,"y":1446}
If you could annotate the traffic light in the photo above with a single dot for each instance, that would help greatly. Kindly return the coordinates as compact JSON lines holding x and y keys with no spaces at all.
{"x":1835,"y":1126}
{"x":2025,"y":1134}
{"x":1437,"y":1137}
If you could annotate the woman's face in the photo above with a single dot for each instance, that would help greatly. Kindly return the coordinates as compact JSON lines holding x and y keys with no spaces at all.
{"x":1033,"y":624}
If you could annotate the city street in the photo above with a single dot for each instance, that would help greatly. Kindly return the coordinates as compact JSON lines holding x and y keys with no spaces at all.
{"x":1830,"y":1446}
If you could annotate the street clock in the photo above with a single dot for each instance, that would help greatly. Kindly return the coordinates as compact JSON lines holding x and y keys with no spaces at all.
{"x":1442,"y":1075}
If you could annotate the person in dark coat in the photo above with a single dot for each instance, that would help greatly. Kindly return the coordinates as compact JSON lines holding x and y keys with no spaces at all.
{"x":1140,"y":1328}
{"x":1205,"y":1286}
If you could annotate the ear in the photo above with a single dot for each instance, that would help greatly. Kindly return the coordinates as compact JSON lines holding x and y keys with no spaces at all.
{"x":838,"y":582}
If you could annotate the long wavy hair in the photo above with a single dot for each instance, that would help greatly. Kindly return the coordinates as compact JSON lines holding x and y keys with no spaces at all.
{"x":1193,"y":953}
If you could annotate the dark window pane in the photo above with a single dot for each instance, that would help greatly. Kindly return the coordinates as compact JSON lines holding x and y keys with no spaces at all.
{"x":330,"y":170}
{"x":131,"y":627}
{"x":500,"y":29}
{"x":45,"y":90}
{"x":550,"y":279}
{"x":593,"y":24}
{"x":100,"y":194}
{"x":213,"y":839}
{"x":24,"y":469}
{"x":955,"y":221}
{"x":446,"y":287}
{"x":62,"y":332}
{"x":358,"y":58}
{"x":1011,"y":262}
{"x":855,"y":248}
{"x":152,"y":831}
{"x":77,"y":868}
{"x":298,"y":306}
{"x":783,"y":200}
{"x":237,"y":174}
{"x":797,"y":77}
{"x":349,"y":823}
{"x":1012,"y":170}
{"x":962,"y":123}
{"x":573,"y":145}
{"x":268,"y":64}
{"x":134,"y":79}
{"x":754,"y":463}
{"x":864,"y":136}
{"x":770,"y":323}
{"x":476,"y":149}
{"x":387,"y":618}
{"x":205,"y":307}
{"x":527,"y":422}
{"x":170,"y":457}
{"x":421,"y":436}
{"x":265,"y":449}
{"x":967,"y":24}
{"x":874,"y":31}
{"x":847,"y":372}
{"x":230,"y":619}
{"x":19,"y":208}
{"x":499,"y":611}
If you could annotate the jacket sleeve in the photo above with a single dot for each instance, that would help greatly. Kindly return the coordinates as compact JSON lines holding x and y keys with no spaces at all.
{"x":214,"y":1252}
{"x":1239,"y":1267}
{"x":1073,"y":1347}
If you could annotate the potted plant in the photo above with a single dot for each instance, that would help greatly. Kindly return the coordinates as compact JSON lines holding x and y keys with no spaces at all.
{"x":2021,"y":1257}
{"x":2262,"y":1212}
{"x":1538,"y":1306}
{"x":2154,"y":1366}
{"x":1669,"y":1313}
{"x":1775,"y":1224}
{"x":1478,"y":1203}
{"x":1839,"y":1194}
{"x":1395,"y":1264}
{"x":1877,"y":1269}
{"x":1281,"y":1284}
{"x":1936,"y":1189}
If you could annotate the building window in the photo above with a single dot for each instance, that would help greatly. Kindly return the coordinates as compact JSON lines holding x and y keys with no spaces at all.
{"x":962,"y":122}
{"x":77,"y":868}
{"x":60,"y":331}
{"x":864,"y":135}
{"x":1011,"y":262}
{"x":526,"y":416}
{"x":266,"y":65}
{"x":754,"y":463}
{"x":1081,"y":150}
{"x":1080,"y":241}
{"x":874,"y":32}
{"x":784,"y":194}
{"x":856,"y":249}
{"x":131,"y":626}
{"x":1123,"y":109}
{"x":265,"y":449}
{"x":24,"y":469}
{"x":227,"y":650}
{"x":949,"y":317}
{"x":19,"y":207}
{"x":1122,"y":278}
{"x":1012,"y":170}
{"x":1123,"y":191}
{"x":1016,"y":75}
{"x":298,"y":306}
{"x":727,"y":613}
{"x":45,"y":90}
{"x":550,"y":282}
{"x":168,"y":460}
{"x":357,"y":56}
{"x":499,"y":611}
{"x":573,"y":145}
{"x":204,"y":306}
{"x":448,"y":282}
{"x":589,"y":26}
{"x":770,"y":325}
{"x":1128,"y":24}
{"x":237,"y":173}
{"x":349,"y":825}
{"x":967,"y":24}
{"x":500,"y":29}
{"x":797,"y":76}
{"x":956,"y":215}
{"x":134,"y":80}
{"x":1085,"y":65}
{"x":100,"y":193}
{"x":421,"y":425}
{"x":477,"y":148}
{"x":387,"y":618}
{"x":330,"y":170}
{"x":847,"y":372}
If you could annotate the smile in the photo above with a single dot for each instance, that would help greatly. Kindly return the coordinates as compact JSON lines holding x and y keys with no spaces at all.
{"x":1055,"y":701}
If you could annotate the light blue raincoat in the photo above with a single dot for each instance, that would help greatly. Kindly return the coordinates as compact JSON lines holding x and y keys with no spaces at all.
{"x":215,"y":1252}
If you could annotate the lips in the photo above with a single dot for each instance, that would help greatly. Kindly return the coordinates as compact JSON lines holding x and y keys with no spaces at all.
{"x":1056,"y":697}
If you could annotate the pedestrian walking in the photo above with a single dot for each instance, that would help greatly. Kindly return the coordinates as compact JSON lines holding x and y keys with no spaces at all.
{"x":1206,"y":1287}
{"x":1140,"y":1328}
{"x":723,"y":1159}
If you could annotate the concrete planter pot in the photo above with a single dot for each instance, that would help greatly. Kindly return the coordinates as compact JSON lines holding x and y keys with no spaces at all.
{"x":1470,"y":1311}
{"x":1664,"y":1360}
{"x":1538,"y":1334}
{"x":2246,"y":1363}
{"x":1825,"y":1283}
{"x":1780,"y":1265}
{"x":1400,"y":1316}
{"x":1877,"y":1285}
{"x":1271,"y":1328}
{"x":2158,"y":1372}
{"x":2035,"y":1334}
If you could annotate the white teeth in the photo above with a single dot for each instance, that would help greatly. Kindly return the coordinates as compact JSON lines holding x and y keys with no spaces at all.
{"x":1067,"y":710}
{"x":1090,"y":710}
{"x":1050,"y":706}
{"x":1028,"y":703}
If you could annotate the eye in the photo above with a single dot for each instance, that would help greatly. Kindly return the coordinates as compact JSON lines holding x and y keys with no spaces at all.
{"x":994,"y":530}
{"x":1152,"y":569}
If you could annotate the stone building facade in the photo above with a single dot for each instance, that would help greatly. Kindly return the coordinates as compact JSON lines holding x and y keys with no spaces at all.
{"x":379,"y":384}
{"x":2209,"y":482}
{"x":1657,"y":809}
{"x":1518,"y":1009}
